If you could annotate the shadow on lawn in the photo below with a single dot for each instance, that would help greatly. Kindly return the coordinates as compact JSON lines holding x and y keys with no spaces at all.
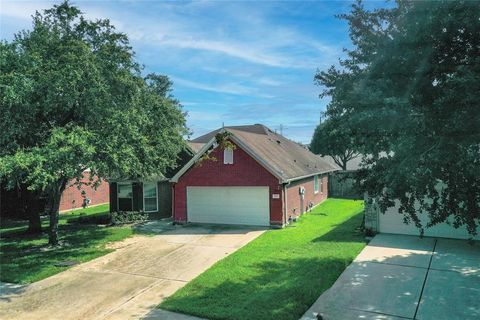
{"x":7,"y":290}
{"x":394,"y":282}
{"x":25,"y":255}
{"x":279,"y":290}
{"x":347,"y":231}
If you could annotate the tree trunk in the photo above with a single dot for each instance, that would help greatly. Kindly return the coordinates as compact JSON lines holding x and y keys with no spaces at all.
{"x":54,"y":212}
{"x":32,"y":210}
{"x":34,"y":223}
{"x":344,"y":163}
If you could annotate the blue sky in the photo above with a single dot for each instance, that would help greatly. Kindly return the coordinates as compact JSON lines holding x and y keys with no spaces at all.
{"x":231,"y":62}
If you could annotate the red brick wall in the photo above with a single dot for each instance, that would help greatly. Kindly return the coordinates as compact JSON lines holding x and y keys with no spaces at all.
{"x":244,"y":171}
{"x":72,"y":197}
{"x":294,"y":198}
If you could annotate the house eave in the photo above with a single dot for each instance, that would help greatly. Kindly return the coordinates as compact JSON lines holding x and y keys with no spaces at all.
{"x":192,"y":161}
{"x":309,"y":175}
{"x":157,"y":179}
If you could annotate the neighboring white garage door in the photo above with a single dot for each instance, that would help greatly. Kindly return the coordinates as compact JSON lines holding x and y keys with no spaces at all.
{"x":392,"y":222}
{"x":229,"y":205}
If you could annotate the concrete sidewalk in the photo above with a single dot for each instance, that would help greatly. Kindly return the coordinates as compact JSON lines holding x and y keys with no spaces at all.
{"x":405,"y":277}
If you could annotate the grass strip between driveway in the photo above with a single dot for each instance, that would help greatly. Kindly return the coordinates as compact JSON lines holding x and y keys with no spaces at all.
{"x":27,"y":258}
{"x":281,"y":273}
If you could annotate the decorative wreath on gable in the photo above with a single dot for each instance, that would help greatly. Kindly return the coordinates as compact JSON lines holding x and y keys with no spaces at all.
{"x":222,"y":141}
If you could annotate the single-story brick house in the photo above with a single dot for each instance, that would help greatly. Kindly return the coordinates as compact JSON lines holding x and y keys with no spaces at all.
{"x":19,"y":201}
{"x":265,"y":180}
{"x":149,"y":194}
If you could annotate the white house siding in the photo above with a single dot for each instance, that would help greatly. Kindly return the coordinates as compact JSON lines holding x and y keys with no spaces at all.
{"x":392,"y":222}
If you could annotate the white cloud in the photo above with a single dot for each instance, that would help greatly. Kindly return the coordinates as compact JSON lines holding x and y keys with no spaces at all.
{"x":22,"y":9}
{"x":229,"y":88}
{"x":197,"y":116}
{"x":260,"y":65}
{"x":222,"y":88}
{"x":269,"y":81}
{"x":242,"y":35}
{"x":272,"y":55}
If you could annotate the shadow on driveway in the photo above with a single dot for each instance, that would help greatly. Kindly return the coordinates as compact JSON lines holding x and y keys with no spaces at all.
{"x":405,"y":277}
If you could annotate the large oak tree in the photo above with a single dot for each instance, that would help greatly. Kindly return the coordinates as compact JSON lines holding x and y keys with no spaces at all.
{"x":410,"y":89}
{"x":73,"y":97}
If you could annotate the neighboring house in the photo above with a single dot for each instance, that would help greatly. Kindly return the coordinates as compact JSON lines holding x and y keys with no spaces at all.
{"x":148,"y":194}
{"x":392,"y":222}
{"x":266,"y":180}
{"x":16,"y":202}
{"x":73,"y":198}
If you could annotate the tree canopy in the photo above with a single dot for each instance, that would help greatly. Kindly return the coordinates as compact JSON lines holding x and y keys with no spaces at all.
{"x":73,"y":97}
{"x":333,"y":138}
{"x":408,"y":90}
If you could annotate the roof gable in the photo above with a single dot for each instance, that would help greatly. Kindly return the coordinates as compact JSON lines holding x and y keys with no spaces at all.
{"x":212,"y":144}
{"x":284,"y":158}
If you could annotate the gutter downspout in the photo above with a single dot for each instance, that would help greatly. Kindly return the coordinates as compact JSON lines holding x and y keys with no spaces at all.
{"x":285,"y":203}
{"x":309,"y":175}
{"x":173,"y":203}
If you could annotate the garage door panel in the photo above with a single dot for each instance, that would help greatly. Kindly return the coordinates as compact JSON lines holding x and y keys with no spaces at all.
{"x":229,"y":205}
{"x":392,"y":222}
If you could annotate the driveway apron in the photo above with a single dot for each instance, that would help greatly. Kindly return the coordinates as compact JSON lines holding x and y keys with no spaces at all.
{"x":406,"y":277}
{"x":127,"y":283}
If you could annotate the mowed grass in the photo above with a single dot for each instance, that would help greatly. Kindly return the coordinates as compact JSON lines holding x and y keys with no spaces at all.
{"x":281,"y":273}
{"x":8,"y":226}
{"x":28,"y":258}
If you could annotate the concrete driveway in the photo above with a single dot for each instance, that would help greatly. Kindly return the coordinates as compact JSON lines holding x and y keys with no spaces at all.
{"x":127,"y":283}
{"x":405,"y":277}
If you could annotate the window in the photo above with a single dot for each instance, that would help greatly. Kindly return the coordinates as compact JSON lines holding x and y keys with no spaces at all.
{"x":321,"y":185}
{"x":315,"y":184}
{"x":125,"y":196}
{"x":228,"y":156}
{"x":150,"y":197}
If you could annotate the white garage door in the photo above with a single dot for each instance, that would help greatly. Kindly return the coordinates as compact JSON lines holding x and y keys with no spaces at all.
{"x":229,"y":205}
{"x":392,"y":222}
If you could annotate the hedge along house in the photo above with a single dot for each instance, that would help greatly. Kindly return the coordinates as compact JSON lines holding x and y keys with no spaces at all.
{"x":264,"y":180}
{"x":149,"y":194}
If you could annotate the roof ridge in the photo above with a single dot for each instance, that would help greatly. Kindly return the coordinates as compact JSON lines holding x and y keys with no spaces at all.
{"x":289,"y":158}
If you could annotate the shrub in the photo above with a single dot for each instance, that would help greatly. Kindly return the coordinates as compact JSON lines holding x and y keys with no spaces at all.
{"x":369,"y":232}
{"x":124,"y":217}
{"x":114,"y":218}
{"x":91,"y":219}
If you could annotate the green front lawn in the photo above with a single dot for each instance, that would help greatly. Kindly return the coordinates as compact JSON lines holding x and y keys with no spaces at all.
{"x":281,"y":273}
{"x":8,"y":226}
{"x":28,"y":258}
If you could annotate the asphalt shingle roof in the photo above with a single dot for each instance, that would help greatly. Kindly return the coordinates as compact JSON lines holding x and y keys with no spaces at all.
{"x":289,"y":159}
